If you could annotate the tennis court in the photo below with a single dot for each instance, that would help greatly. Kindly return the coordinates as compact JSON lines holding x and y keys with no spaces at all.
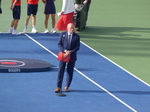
{"x":98,"y":83}
{"x":112,"y":75}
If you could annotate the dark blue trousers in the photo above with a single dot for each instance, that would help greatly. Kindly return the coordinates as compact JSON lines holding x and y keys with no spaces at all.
{"x":69,"y":70}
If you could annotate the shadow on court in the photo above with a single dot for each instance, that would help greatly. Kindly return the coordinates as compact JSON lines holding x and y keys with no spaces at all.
{"x":122,"y":92}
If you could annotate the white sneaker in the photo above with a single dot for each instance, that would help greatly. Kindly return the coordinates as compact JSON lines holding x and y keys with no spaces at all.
{"x":15,"y":32}
{"x":34,"y":30}
{"x":46,"y":31}
{"x":10,"y":30}
{"x":53,"y":30}
{"x":0,"y":32}
{"x":25,"y":30}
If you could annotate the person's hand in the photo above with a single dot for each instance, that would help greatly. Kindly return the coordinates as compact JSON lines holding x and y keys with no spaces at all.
{"x":62,"y":12}
{"x":68,"y":53}
{"x":11,"y":8}
{"x":85,"y":2}
{"x":44,"y":1}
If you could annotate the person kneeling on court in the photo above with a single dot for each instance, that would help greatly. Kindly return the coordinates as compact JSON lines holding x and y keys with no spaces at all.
{"x":68,"y":43}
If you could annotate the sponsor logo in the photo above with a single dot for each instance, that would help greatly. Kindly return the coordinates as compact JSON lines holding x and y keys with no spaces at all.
{"x":14,"y":70}
{"x":11,"y":63}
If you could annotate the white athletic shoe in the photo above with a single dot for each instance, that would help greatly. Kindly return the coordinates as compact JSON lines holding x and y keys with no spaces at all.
{"x":0,"y":32}
{"x":25,"y":30}
{"x":46,"y":31}
{"x":10,"y":30}
{"x":15,"y":32}
{"x":34,"y":30}
{"x":53,"y":30}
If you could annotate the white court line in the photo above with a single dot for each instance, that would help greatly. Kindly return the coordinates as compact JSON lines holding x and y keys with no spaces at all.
{"x":116,"y":64}
{"x":41,"y":45}
{"x":85,"y":76}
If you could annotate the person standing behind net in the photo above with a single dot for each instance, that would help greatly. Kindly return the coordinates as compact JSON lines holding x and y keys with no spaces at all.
{"x":0,"y":12}
{"x":16,"y":11}
{"x":49,"y":9}
{"x":32,"y":8}
{"x":66,"y":13}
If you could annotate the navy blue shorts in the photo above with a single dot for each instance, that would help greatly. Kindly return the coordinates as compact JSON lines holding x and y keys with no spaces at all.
{"x":32,"y":9}
{"x":50,"y":7}
{"x":16,"y":12}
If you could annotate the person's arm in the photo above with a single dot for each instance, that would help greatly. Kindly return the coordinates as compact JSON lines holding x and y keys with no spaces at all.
{"x":60,"y":42}
{"x":85,"y":1}
{"x":77,"y":45}
{"x":13,"y":5}
{"x":64,"y":6}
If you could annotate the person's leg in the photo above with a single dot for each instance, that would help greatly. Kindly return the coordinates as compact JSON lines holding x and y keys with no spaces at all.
{"x":11,"y":26}
{"x":70,"y":69}
{"x":16,"y":23}
{"x":33,"y":20}
{"x":88,"y":6}
{"x":34,"y":24}
{"x":29,"y":11}
{"x":26,"y":24}
{"x":15,"y":27}
{"x":17,"y":17}
{"x":34,"y":12}
{"x":53,"y":20}
{"x":27,"y":20}
{"x":60,"y":76}
{"x":46,"y":23}
{"x":53,"y":23}
{"x":12,"y":23}
{"x":61,"y":71}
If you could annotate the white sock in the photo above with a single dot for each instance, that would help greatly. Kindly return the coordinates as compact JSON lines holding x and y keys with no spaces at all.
{"x":11,"y":28}
{"x":25,"y":27}
{"x":14,"y":30}
{"x":33,"y":26}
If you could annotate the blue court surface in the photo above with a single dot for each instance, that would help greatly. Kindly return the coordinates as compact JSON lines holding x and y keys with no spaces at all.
{"x":99,"y":85}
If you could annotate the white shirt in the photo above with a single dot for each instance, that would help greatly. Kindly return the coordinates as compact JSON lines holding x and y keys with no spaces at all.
{"x":68,"y":6}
